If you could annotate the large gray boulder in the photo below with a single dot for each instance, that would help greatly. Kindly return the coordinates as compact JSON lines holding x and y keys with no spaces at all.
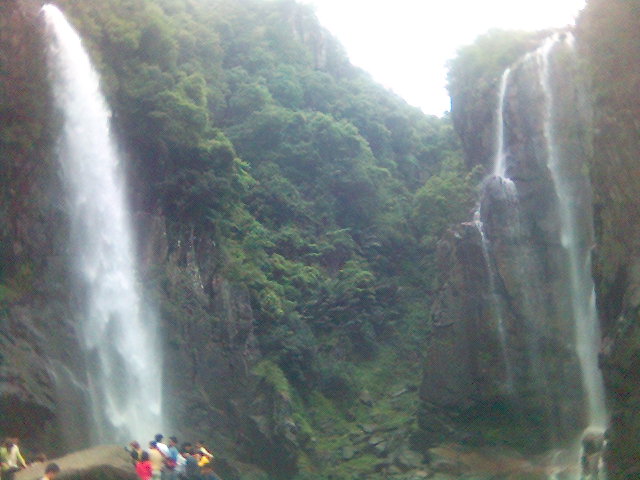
{"x":107,"y":461}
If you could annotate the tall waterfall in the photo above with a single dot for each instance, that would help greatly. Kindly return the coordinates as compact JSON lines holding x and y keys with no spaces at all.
{"x":576,"y":231}
{"x":117,"y":329}
{"x":500,"y":161}
{"x":537,"y":228}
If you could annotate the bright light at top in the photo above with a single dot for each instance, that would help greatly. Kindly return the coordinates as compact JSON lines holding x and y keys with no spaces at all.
{"x":405,"y":44}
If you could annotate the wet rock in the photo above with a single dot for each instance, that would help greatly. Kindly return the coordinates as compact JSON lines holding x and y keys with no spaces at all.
{"x":382,"y":467}
{"x":348,"y":452}
{"x":502,"y":337}
{"x":381,"y":449}
{"x":365,"y":398}
{"x":421,"y":474}
{"x":448,"y":467}
{"x":407,"y":459}
{"x":399,"y":392}
{"x":368,"y":428}
{"x":393,"y":470}
{"x":111,"y":462}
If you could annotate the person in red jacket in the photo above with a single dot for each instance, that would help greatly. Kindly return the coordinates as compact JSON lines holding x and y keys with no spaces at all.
{"x":143,"y":467}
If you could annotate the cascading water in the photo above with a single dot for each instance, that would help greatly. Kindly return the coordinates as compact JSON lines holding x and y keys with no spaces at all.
{"x":117,"y":330}
{"x":576,"y":234}
{"x":500,"y":161}
{"x":508,"y":187}
{"x":546,"y":147}
{"x":496,"y":306}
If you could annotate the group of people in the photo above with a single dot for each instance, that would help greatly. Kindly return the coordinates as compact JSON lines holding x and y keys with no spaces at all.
{"x":12,"y":461}
{"x":165,"y":461}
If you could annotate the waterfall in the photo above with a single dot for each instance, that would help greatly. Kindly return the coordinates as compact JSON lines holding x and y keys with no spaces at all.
{"x":500,"y":161}
{"x":537,"y":236}
{"x":117,"y":329}
{"x":496,"y":305}
{"x":507,"y":186}
{"x":577,"y":240}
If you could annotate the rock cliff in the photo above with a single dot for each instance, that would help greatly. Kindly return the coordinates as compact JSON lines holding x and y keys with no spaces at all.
{"x":506,"y":299}
{"x":212,"y":390}
{"x":38,"y":336}
{"x":610,"y":39}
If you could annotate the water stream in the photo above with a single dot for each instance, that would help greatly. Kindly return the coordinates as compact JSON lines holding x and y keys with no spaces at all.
{"x":117,"y":329}
{"x":577,"y":240}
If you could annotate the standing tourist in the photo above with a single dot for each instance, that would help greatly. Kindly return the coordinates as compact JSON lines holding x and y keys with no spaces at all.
{"x":192,"y":469}
{"x":205,"y":456}
{"x":11,"y":459}
{"x":157,"y":461}
{"x":135,"y":451}
{"x":162,"y":447}
{"x":144,"y":469}
{"x":171,"y":462}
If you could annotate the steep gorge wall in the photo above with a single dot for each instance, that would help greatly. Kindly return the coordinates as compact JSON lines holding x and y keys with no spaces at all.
{"x":211,"y":390}
{"x":609,"y":33}
{"x":38,"y":339}
{"x":505,"y":282}
{"x":609,"y":45}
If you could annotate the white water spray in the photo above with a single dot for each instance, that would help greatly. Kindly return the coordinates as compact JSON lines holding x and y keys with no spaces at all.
{"x":500,"y":161}
{"x":118,"y":333}
{"x":577,"y":244}
{"x":496,"y":305}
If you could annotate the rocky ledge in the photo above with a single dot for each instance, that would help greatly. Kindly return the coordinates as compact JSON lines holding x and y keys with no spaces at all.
{"x":95,"y":463}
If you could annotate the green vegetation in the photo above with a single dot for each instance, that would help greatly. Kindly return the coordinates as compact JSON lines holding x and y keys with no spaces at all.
{"x":323,"y":193}
{"x":295,"y":177}
{"x":283,"y":170}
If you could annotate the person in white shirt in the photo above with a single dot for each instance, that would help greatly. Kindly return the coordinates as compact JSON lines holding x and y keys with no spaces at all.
{"x":162,"y":447}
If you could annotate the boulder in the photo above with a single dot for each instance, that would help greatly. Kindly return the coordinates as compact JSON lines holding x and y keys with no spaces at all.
{"x":365,"y":398}
{"x":109,"y":461}
{"x":407,"y":459}
{"x":348,"y":452}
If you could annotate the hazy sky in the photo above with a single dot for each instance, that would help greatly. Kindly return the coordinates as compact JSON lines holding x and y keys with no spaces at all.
{"x":405,"y":44}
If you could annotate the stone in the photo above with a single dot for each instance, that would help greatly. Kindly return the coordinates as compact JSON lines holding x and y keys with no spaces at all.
{"x":380,"y":449}
{"x":399,"y":392}
{"x":368,"y":428}
{"x":350,"y":416}
{"x":348,"y":452}
{"x":365,"y":398}
{"x":407,"y":459}
{"x":110,"y":461}
{"x":448,"y":467}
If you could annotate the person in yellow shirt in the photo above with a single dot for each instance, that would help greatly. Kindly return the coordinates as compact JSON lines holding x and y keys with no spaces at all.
{"x":206,"y":457}
{"x":157,"y":461}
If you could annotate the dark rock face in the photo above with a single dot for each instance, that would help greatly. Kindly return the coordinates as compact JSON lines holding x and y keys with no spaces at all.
{"x":502,"y":364}
{"x":210,"y":390}
{"x":609,"y":35}
{"x":107,"y":461}
{"x":458,"y":376}
{"x":38,"y":366}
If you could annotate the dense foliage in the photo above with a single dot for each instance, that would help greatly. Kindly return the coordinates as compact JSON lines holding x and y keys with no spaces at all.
{"x":290,"y":174}
{"x":324,"y":193}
